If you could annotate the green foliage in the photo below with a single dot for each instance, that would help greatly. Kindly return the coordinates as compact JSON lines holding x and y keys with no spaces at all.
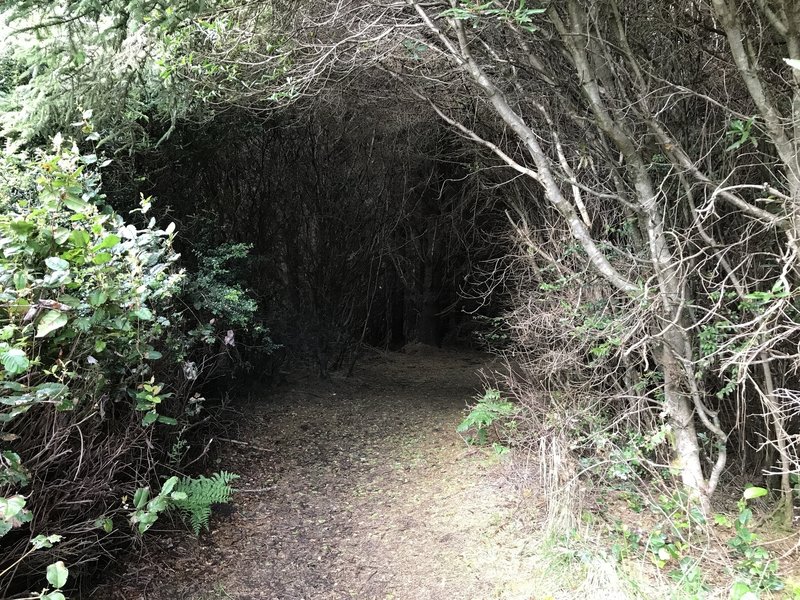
{"x":141,"y":65}
{"x":601,"y":329}
{"x":742,"y":132}
{"x":669,"y":547}
{"x":56,"y":573}
{"x":148,"y":397}
{"x":79,"y":287}
{"x":13,"y":472}
{"x":621,"y":455}
{"x":83,"y":299}
{"x":490,"y":408}
{"x":13,"y":513}
{"x":147,"y":509}
{"x":199,"y":494}
{"x":214,"y":288}
{"x":492,"y":332}
{"x":520,"y":15}
{"x":757,"y":570}
{"x":689,"y":576}
{"x":192,"y":497}
{"x":66,"y":56}
{"x":758,"y":300}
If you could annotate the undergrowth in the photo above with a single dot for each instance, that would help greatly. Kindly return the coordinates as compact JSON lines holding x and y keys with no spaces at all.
{"x":192,"y":497}
{"x":201,"y":494}
{"x":619,"y":523}
{"x":89,"y":309}
{"x":491,"y":417}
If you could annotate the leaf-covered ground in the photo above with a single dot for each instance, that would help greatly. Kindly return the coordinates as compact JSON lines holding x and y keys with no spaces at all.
{"x":356,"y":488}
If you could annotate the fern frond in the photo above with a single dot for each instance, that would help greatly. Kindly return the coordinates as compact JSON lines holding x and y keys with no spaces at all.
{"x":200,"y":494}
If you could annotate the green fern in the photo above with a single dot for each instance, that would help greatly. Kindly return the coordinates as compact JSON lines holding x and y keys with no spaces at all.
{"x":200,"y":493}
{"x":489,"y":409}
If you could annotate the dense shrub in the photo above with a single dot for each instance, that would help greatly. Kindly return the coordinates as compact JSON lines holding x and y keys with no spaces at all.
{"x":85,"y":300}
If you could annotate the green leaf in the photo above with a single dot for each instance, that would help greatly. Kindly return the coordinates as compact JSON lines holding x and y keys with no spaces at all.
{"x":722,"y":520}
{"x":57,"y":574}
{"x":157,"y":504}
{"x":741,"y":591}
{"x":169,"y":485}
{"x":140,"y":497}
{"x":108,"y":242}
{"x":53,"y":391}
{"x":50,"y":321}
{"x":143,"y":313}
{"x":20,"y":279}
{"x":99,"y":345}
{"x":754,"y":492}
{"x":41,"y":541}
{"x":97,"y":297}
{"x":149,"y":418}
{"x":79,"y":238}
{"x":56,"y":264}
{"x":82,"y":324}
{"x":102,"y":258}
{"x":15,"y":362}
{"x":145,"y":520}
{"x":11,"y":507}
{"x":22,"y":228}
{"x":76,"y":204}
{"x":167,"y":420}
{"x":69,"y":300}
{"x":61,"y":235}
{"x":53,"y":596}
{"x":104,"y":523}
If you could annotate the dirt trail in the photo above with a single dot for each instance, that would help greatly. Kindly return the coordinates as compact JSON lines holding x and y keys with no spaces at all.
{"x":366,"y":492}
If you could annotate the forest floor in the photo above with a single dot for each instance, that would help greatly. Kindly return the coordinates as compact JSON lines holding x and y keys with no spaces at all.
{"x":356,"y":488}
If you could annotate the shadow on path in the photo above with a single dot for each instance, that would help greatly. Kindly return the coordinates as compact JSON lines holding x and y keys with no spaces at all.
{"x":359,"y":488}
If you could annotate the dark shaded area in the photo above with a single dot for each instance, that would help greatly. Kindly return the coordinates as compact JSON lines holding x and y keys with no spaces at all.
{"x":365,"y":222}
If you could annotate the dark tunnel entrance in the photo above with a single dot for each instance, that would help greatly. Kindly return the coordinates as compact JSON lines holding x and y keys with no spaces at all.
{"x":364,"y":220}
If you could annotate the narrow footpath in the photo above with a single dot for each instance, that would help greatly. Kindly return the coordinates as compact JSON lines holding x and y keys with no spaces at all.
{"x":357,"y":488}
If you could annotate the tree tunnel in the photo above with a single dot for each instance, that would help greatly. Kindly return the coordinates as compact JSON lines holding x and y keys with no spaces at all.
{"x":605,"y":193}
{"x":363,"y":217}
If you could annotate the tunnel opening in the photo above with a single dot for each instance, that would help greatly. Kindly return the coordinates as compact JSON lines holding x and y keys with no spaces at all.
{"x":365,"y":223}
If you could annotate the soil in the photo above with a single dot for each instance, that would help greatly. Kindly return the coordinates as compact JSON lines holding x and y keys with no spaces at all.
{"x":353,"y":488}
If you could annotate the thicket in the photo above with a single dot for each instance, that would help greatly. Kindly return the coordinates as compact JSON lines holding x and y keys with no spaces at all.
{"x":362,"y":227}
{"x":277,"y":228}
{"x":91,"y":308}
{"x":106,"y":344}
{"x":638,"y":163}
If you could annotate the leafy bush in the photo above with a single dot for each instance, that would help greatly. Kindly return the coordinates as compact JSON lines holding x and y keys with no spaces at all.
{"x":85,"y":298}
{"x":79,"y":286}
{"x":214,"y":288}
{"x":756,"y":570}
